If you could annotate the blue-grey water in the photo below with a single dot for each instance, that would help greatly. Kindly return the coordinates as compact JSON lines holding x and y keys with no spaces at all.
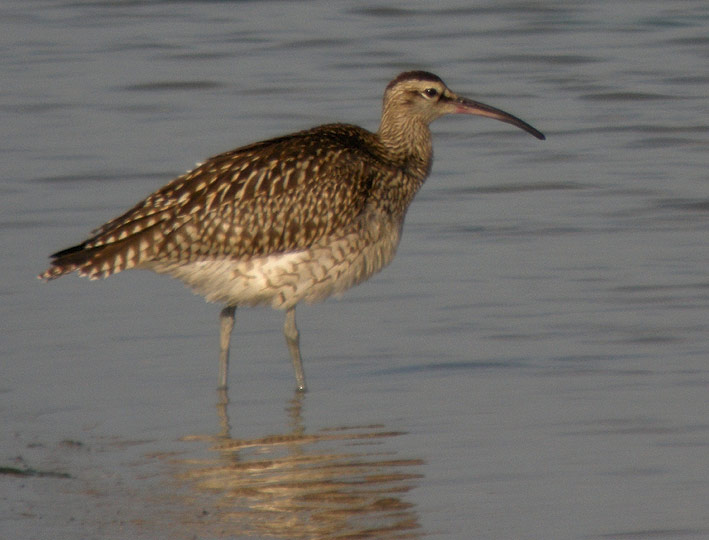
{"x":533,"y":365}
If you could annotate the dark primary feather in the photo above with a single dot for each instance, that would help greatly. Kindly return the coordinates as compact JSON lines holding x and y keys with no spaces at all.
{"x":274,"y":196}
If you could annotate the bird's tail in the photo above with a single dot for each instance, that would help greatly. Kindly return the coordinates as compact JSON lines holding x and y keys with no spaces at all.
{"x":101,"y":256}
{"x":93,"y":262}
{"x":65,"y":262}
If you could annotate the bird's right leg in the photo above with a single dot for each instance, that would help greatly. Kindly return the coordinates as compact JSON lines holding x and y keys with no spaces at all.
{"x":226,"y":320}
{"x":290,"y":330}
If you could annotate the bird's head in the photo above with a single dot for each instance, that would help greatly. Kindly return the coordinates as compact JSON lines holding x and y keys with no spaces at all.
{"x":422,"y":96}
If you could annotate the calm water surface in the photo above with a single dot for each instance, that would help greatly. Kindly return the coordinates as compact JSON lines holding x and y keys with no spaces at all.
{"x":534,"y":364}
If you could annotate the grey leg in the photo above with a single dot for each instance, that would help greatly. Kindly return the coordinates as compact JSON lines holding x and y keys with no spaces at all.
{"x":226,"y":319}
{"x":290,"y":330}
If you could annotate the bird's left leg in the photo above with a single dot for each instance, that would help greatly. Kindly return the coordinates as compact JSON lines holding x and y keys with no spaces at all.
{"x":226,"y":320}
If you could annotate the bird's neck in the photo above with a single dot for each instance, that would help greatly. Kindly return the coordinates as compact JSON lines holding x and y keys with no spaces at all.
{"x":408,"y":143}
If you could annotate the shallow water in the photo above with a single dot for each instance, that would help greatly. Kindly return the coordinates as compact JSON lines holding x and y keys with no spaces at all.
{"x":532,"y":365}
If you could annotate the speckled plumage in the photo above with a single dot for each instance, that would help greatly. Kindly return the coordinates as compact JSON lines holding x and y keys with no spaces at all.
{"x":295,"y":218}
{"x":278,"y":196}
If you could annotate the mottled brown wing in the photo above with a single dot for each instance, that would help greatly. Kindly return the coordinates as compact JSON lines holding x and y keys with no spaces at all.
{"x":269,"y":197}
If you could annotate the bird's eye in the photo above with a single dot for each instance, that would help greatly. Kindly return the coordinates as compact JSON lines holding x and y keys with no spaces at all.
{"x":430,"y":92}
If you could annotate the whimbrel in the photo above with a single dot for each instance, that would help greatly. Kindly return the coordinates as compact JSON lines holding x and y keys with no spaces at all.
{"x":291,"y":219}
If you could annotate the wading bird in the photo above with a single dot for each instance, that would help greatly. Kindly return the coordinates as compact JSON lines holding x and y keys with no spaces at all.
{"x":295,"y":218}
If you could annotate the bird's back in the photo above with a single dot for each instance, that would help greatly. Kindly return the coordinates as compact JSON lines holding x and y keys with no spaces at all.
{"x":274,"y":197}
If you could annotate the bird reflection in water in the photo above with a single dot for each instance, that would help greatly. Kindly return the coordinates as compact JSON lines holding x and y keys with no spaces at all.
{"x":339,"y":482}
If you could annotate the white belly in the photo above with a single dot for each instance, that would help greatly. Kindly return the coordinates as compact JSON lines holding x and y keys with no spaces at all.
{"x":282,"y":280}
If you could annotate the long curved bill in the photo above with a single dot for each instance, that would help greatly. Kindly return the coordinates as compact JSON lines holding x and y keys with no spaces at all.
{"x":468,"y":106}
